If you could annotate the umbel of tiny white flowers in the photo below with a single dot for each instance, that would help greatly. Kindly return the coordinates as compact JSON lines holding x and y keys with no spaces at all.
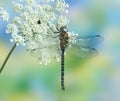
{"x":34,"y":27}
{"x":4,"y":15}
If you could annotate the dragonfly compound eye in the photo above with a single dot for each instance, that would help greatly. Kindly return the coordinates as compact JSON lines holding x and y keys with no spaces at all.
{"x":65,"y":29}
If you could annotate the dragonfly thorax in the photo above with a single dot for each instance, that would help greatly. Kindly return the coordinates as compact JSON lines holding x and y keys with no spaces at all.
{"x":63,"y":40}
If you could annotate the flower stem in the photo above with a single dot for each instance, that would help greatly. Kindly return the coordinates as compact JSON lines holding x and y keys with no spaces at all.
{"x":6,"y":59}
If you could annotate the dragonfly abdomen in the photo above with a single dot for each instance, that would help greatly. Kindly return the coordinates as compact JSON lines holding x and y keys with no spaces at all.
{"x":62,"y":69}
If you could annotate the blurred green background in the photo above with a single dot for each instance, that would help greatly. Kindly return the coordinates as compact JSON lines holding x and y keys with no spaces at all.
{"x":95,"y":79}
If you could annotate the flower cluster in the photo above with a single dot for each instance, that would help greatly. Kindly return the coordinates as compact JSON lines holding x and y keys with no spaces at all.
{"x":4,"y":14}
{"x":35,"y":24}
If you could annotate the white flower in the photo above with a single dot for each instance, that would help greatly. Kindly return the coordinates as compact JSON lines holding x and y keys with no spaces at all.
{"x":72,"y":38}
{"x":17,"y":39}
{"x":58,"y":55}
{"x":61,"y":6}
{"x":16,"y":21}
{"x":47,"y":7}
{"x":12,"y":28}
{"x":4,"y":14}
{"x":17,"y":7}
{"x":31,"y":45}
{"x":35,"y":24}
{"x":62,"y":21}
{"x":44,"y":56}
{"x":31,"y":2}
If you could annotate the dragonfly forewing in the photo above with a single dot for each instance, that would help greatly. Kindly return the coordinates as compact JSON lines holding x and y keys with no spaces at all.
{"x":53,"y":48}
{"x":84,"y":46}
{"x":88,"y":41}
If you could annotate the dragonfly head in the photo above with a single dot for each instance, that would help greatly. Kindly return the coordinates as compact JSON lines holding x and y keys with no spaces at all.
{"x":64,"y":29}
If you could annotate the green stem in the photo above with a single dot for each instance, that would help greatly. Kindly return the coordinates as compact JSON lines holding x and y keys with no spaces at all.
{"x":6,"y":59}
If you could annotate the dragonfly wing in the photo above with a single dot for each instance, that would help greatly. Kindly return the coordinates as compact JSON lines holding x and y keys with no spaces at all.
{"x":84,"y":52}
{"x":88,"y":41}
{"x":83,"y":47}
{"x":35,"y":52}
{"x":52,"y":49}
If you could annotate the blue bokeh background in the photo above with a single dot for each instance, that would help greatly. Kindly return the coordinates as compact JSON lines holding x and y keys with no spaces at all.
{"x":95,"y":79}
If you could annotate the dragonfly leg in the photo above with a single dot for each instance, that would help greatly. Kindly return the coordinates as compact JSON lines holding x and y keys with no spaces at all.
{"x":56,"y":36}
{"x":56,"y":32}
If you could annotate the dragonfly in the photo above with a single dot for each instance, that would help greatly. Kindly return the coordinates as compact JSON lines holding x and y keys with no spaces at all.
{"x":83,"y":47}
